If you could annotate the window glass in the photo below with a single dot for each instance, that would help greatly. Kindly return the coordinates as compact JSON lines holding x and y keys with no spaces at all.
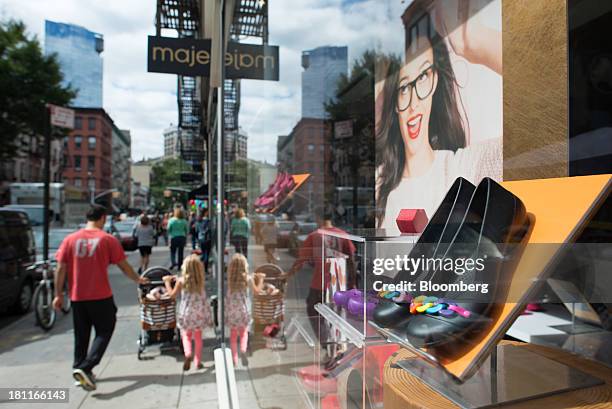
{"x":91,"y":142}
{"x":78,"y":141}
{"x":78,"y":122}
{"x":91,"y":124}
{"x":91,"y":163}
{"x":77,"y":162}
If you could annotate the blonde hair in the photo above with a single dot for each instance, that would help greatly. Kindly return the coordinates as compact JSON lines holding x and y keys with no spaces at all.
{"x":237,"y":273}
{"x":178,"y":213}
{"x":193,"y":274}
{"x":239,"y":213}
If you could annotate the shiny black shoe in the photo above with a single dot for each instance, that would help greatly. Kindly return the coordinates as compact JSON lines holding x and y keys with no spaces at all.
{"x":494,"y":230}
{"x":434,"y":240}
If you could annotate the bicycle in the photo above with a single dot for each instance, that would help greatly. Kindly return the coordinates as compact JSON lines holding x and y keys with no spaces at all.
{"x":43,"y":297}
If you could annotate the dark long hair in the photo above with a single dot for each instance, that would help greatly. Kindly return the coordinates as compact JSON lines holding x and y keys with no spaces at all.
{"x":446,"y":125}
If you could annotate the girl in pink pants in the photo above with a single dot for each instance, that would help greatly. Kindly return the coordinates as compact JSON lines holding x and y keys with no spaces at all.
{"x":236,"y":311}
{"x":194,"y":310}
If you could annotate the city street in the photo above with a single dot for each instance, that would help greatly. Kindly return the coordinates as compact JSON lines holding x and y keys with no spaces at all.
{"x":34,"y":358}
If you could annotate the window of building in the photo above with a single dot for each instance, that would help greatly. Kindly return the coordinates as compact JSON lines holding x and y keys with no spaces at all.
{"x":91,"y":163}
{"x":77,"y":162}
{"x":78,"y":141}
{"x":77,"y":182}
{"x":311,"y":147}
{"x":66,"y":139}
{"x":91,"y":142}
{"x":91,"y":183}
{"x":91,"y":124}
{"x":78,"y":122}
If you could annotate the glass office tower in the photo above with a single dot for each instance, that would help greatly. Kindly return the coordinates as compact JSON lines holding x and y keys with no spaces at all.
{"x":78,"y":51}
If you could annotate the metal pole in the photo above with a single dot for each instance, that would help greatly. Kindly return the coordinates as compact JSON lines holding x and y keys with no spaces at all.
{"x":220,"y":174}
{"x":47,"y":179}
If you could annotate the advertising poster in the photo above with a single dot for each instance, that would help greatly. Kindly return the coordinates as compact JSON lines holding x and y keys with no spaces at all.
{"x":439,"y":114}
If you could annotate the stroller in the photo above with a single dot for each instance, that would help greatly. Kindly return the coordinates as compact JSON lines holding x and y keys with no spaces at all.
{"x":269,"y":309}
{"x":158,"y":316}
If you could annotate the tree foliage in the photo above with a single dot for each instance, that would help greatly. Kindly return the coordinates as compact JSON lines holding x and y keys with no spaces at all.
{"x":28,"y":81}
{"x":165,"y":174}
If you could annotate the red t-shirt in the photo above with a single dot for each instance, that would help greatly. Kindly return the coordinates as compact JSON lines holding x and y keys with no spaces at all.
{"x":87,"y":254}
{"x":312,"y":252}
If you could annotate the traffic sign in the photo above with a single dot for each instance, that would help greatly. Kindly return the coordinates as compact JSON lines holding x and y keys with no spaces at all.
{"x":62,"y":117}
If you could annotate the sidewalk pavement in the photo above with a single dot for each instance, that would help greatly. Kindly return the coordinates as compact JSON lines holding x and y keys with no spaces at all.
{"x":30,"y":357}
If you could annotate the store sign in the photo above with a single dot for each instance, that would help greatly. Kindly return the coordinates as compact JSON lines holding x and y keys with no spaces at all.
{"x":62,"y":117}
{"x":192,"y":57}
{"x":343,"y":129}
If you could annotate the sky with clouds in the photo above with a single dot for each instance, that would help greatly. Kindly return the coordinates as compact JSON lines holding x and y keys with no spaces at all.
{"x":145,"y":102}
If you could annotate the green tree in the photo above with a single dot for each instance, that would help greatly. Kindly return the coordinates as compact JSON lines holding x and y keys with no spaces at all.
{"x":165,"y":174}
{"x":28,"y":80}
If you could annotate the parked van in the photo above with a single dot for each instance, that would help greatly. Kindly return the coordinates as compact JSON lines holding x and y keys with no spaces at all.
{"x":17,"y":253}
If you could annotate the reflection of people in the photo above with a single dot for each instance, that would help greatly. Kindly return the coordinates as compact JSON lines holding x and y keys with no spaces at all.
{"x":422,"y":138}
{"x":240,"y":228}
{"x":311,"y":252}
{"x":269,"y":234}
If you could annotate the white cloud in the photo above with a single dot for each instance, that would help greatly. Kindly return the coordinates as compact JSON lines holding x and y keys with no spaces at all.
{"x":146,"y":103}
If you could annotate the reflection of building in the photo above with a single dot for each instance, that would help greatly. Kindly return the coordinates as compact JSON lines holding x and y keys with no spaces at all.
{"x":171,"y":142}
{"x":284,"y":153}
{"x":310,"y":140}
{"x":235,"y":145}
{"x":88,"y":152}
{"x":259,"y":178}
{"x":139,"y":198}
{"x":78,"y":51}
{"x":322,"y":69}
{"x":121,"y":158}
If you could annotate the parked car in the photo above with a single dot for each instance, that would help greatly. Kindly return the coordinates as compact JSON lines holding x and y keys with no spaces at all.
{"x":17,"y":254}
{"x":56,"y":237}
{"x":124,"y":232}
{"x":298,"y":235}
{"x":284,"y":233}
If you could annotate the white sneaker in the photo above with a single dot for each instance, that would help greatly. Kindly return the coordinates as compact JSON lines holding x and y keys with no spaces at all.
{"x":86,"y":380}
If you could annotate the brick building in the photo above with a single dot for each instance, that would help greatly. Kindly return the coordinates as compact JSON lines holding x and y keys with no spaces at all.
{"x":88,"y":153}
{"x":310,"y":139}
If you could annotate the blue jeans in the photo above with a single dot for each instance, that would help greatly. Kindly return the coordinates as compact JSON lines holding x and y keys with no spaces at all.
{"x":177,"y":245}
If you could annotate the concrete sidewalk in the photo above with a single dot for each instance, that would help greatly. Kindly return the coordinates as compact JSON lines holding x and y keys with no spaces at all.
{"x":30,"y":357}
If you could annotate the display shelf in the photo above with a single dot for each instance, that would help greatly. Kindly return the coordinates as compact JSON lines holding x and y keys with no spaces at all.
{"x":350,"y":326}
{"x":301,"y":326}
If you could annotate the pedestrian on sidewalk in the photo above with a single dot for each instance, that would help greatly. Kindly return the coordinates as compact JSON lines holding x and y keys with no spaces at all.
{"x":194,"y":313}
{"x":240,"y":229}
{"x":84,"y":257}
{"x":269,"y":235}
{"x":145,"y":237}
{"x":204,"y":237}
{"x":311,"y":252}
{"x":177,"y":231}
{"x":193,"y":218}
{"x":237,"y":316}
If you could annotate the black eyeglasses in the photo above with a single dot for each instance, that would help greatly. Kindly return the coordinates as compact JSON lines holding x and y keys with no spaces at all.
{"x":422,"y":84}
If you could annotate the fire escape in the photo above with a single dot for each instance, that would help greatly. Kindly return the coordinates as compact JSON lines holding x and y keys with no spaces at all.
{"x":250,"y":20}
{"x":184,"y":17}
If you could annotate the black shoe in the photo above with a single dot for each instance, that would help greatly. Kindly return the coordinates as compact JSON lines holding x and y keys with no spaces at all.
{"x":244,"y":360}
{"x":494,"y":230}
{"x":433,"y":241}
{"x":85,"y":379}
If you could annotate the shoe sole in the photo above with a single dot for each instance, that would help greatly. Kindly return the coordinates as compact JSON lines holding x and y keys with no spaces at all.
{"x":83,"y":380}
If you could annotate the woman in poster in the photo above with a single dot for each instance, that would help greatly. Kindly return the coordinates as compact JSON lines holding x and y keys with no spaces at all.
{"x":423,"y":138}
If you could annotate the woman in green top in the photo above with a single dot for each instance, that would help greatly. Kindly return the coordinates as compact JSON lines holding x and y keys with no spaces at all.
{"x":177,"y":231}
{"x":240,"y":229}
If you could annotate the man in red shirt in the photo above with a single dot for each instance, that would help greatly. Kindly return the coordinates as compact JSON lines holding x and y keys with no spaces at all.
{"x":84,"y":256}
{"x":312,"y":252}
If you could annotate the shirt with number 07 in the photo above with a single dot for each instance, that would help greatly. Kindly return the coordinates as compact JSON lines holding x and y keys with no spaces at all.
{"x":87,"y":254}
